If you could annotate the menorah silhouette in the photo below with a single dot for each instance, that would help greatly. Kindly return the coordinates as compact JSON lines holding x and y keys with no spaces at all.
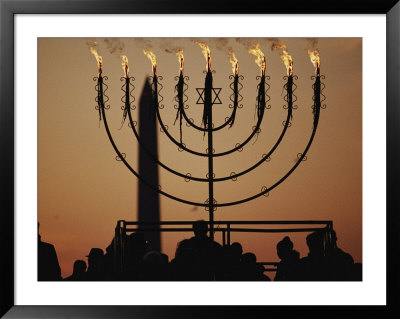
{"x":208,"y":96}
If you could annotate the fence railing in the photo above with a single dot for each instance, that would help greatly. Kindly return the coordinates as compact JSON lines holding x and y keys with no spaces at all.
{"x":124,"y":228}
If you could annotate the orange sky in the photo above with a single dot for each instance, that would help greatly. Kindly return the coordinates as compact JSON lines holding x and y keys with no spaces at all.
{"x":83,"y":191}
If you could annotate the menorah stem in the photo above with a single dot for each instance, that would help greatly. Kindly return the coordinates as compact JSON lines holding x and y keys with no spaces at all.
{"x":290,"y":91}
{"x":318,"y":90}
{"x":261,"y":97}
{"x":210,"y":176}
{"x":155,"y":95}
{"x":179,"y":113}
{"x":317,"y":99}
{"x":207,"y":119}
{"x":127,"y":100}
{"x":100,"y":94}
{"x":235,"y":98}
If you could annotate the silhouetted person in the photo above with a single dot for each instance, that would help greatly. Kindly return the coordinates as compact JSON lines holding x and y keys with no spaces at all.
{"x":231,"y":262}
{"x":109,"y":263}
{"x":315,"y":266}
{"x":96,"y":269}
{"x":48,"y":266}
{"x":288,"y":267}
{"x":186,"y":266}
{"x":341,"y":264}
{"x":251,"y":270}
{"x":79,"y":272}
{"x":135,"y":248}
{"x":209,"y":251}
{"x":155,"y":267}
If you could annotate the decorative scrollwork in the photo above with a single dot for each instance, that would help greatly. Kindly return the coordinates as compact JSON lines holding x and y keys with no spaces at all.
{"x":263,"y":189}
{"x":299,"y":155}
{"x":207,"y":201}
{"x":234,"y":179}
{"x":239,"y":149}
{"x":180,"y":149}
{"x":118,"y":158}
{"x":207,"y":175}
{"x":134,"y":124}
{"x":289,"y":124}
{"x":268,"y":159}
{"x":162,"y":129}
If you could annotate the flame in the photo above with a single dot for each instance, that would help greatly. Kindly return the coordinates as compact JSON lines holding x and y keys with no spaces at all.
{"x":152,"y":58}
{"x":234,"y":62}
{"x":260,"y":61}
{"x":125,"y":65}
{"x":286,"y":58}
{"x":314,"y":57}
{"x":206,"y":53}
{"x":181,"y":60}
{"x":99,"y":59}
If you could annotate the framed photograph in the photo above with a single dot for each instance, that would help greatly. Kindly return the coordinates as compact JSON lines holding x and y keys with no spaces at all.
{"x":158,"y":149}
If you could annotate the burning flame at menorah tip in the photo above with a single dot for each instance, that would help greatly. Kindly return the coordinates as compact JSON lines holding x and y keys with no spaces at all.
{"x":256,"y":51}
{"x":99,"y":59}
{"x":152,"y":58}
{"x":260,"y":61}
{"x":286,"y":58}
{"x":234,"y":62}
{"x":207,"y":54}
{"x":181,"y":61}
{"x":315,"y":60}
{"x":125,"y":65}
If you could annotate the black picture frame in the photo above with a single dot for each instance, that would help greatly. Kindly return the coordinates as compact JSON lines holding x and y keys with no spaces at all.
{"x":8,"y":10}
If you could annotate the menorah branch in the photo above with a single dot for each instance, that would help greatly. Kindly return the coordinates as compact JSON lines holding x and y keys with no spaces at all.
{"x":209,"y":96}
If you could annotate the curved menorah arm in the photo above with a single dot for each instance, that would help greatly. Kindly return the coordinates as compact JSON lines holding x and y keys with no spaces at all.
{"x":202,"y":129}
{"x":153,"y":157}
{"x":122,"y":158}
{"x":189,"y":177}
{"x":317,"y":109}
{"x":237,"y":147}
{"x":180,"y":145}
{"x":266,"y":156}
{"x":233,"y":176}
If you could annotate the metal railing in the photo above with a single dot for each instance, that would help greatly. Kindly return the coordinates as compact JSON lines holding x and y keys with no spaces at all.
{"x":124,"y":228}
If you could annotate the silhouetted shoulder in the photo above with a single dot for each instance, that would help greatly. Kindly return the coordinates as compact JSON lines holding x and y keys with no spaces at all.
{"x":48,"y":266}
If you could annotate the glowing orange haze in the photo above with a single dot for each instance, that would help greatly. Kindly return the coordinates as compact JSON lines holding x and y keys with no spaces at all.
{"x":83,"y":190}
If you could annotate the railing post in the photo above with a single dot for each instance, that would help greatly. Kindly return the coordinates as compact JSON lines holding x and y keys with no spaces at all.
{"x":228,"y":227}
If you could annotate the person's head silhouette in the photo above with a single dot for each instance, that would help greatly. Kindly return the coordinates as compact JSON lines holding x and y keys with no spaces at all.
{"x":200,"y":228}
{"x":315,"y":241}
{"x":236,"y":250}
{"x":95,"y":257}
{"x":79,"y":267}
{"x":284,"y":247}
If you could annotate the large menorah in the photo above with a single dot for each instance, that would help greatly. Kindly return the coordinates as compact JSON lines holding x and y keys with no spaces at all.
{"x":208,"y":96}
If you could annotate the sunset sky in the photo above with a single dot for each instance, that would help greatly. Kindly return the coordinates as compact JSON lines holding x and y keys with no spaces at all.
{"x":83,"y":190}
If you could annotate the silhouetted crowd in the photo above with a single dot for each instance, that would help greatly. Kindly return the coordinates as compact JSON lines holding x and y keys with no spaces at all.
{"x":200,"y":258}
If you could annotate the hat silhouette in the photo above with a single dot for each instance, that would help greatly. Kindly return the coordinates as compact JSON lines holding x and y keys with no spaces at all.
{"x":95,"y":252}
